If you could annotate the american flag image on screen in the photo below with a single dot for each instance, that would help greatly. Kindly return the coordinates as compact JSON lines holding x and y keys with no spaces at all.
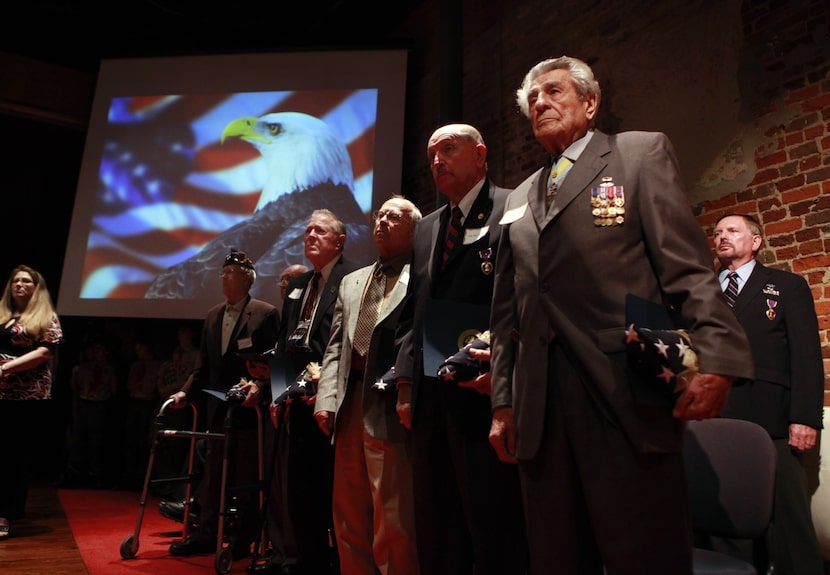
{"x":179,"y":180}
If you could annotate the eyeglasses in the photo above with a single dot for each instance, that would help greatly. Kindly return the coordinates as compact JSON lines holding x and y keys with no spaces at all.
{"x":393,"y":217}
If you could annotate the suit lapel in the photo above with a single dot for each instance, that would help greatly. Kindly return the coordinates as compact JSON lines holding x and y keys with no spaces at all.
{"x":535,"y":197}
{"x":482,"y":208}
{"x":241,"y":321}
{"x":216,"y":341}
{"x":354,"y":296}
{"x":396,"y":295}
{"x":439,"y":230}
{"x":477,"y":218}
{"x":328,"y":294}
{"x":292,"y":315}
{"x":753,"y":286}
{"x":359,"y":280}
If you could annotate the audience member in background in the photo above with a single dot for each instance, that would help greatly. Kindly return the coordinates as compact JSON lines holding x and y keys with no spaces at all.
{"x":239,"y":325}
{"x":94,"y":383}
{"x":299,"y":513}
{"x":142,"y":400}
{"x":777,"y":311}
{"x":372,"y":505}
{"x":468,"y":513}
{"x":30,"y":334}
{"x":175,"y":370}
{"x":603,"y":480}
{"x":171,"y":454}
{"x":171,"y":458}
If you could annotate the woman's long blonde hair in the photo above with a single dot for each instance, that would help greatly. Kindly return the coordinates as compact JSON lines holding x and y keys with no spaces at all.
{"x":38,"y":313}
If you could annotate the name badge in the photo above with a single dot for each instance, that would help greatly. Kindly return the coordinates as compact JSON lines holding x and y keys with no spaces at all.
{"x":244,"y":343}
{"x":296,"y":293}
{"x":512,"y":215}
{"x":474,"y":234}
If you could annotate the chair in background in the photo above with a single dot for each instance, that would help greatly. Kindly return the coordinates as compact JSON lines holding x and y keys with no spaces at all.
{"x":730,"y":471}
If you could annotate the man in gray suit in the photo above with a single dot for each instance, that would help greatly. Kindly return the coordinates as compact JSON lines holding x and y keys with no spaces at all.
{"x":372,"y":504}
{"x":601,"y":464}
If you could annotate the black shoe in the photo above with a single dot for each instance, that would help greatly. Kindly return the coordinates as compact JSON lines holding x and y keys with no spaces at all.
{"x":175,"y":510}
{"x":191,"y":546}
{"x":270,"y":567}
{"x":273,"y":567}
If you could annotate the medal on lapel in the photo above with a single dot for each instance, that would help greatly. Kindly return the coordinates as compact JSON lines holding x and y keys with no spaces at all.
{"x":770,"y":289}
{"x":608,"y":203}
{"x":771,"y":303}
{"x":486,"y":263}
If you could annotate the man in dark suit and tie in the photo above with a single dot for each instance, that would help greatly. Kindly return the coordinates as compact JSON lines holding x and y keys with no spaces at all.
{"x":299,"y":514}
{"x":602,"y":470}
{"x":777,"y":310}
{"x":372,"y":506}
{"x":240,"y":325}
{"x":468,"y":516}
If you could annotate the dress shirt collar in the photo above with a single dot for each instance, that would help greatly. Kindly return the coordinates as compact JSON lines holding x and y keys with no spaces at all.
{"x":236,"y":307}
{"x":326,"y":271}
{"x":392,"y":267}
{"x":466,"y":203}
{"x":575,"y":150}
{"x":743,"y":274}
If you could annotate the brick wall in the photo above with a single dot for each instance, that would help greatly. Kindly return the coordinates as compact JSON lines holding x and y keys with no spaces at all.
{"x":742,"y":89}
{"x":790,"y":190}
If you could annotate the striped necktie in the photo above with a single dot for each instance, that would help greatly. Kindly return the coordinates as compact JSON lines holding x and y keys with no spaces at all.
{"x":311,"y":300}
{"x":369,"y":309}
{"x":453,"y":235}
{"x":557,"y":174}
{"x":731,"y":291}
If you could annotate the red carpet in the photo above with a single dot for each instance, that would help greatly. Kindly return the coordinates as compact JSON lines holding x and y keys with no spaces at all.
{"x":101,"y":520}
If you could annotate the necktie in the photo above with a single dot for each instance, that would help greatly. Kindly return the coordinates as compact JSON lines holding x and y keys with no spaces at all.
{"x":731,"y":291}
{"x":311,"y":300}
{"x":369,"y":308}
{"x":453,"y":235}
{"x":557,"y":174}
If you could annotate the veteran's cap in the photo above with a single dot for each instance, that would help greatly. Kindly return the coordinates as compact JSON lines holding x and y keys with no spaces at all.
{"x":236,"y":258}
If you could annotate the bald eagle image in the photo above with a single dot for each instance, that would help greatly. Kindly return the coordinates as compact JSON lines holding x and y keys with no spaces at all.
{"x":308,"y":168}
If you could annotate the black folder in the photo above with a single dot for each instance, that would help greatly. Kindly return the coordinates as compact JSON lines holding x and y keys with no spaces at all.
{"x":448,"y":327}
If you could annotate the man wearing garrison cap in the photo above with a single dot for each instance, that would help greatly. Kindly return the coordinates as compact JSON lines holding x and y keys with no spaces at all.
{"x":237,"y":327}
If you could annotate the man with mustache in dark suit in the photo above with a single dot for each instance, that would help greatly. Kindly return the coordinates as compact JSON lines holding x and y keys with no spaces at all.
{"x":468,"y":516}
{"x":777,"y":310}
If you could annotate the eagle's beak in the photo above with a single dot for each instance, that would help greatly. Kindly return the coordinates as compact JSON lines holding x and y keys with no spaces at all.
{"x":242,"y":128}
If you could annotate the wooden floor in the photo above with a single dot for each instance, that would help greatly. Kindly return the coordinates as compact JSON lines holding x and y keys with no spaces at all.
{"x":42,"y":543}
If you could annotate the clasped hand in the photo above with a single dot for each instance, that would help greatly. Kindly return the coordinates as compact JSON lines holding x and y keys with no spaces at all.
{"x":481,"y":383}
{"x":704,"y":397}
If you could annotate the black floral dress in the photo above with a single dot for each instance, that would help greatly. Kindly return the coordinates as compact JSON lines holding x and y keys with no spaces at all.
{"x":15,"y":341}
{"x":24,"y":419}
